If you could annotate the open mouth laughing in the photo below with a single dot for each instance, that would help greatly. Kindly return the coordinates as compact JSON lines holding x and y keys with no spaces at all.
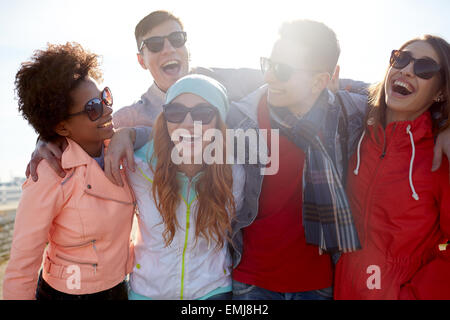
{"x":106,"y":125}
{"x":171,"y":67}
{"x":402,"y":88}
{"x":189,"y":138}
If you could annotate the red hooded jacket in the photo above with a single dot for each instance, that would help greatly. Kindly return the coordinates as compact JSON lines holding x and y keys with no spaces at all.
{"x":402,"y":214}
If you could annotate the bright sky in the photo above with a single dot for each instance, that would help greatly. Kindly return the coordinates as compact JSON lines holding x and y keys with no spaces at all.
{"x":232,"y":33}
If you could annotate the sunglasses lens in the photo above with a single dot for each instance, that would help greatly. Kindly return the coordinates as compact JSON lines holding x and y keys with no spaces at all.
{"x":94,"y":109}
{"x":155,"y":44}
{"x":425,"y":68}
{"x":107,"y":97}
{"x":205,"y":114}
{"x":283,"y":72}
{"x":174,"y":113}
{"x":177,"y":39}
{"x":400,"y":59}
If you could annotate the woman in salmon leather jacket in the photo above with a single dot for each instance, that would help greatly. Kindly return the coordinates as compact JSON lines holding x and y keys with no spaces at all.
{"x":78,"y":226}
{"x":401,"y":209}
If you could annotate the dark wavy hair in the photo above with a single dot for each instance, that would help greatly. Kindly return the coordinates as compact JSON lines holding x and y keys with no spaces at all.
{"x":43,"y":84}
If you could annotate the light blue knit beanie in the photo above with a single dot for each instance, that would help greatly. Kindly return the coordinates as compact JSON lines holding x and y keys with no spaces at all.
{"x":203,"y":86}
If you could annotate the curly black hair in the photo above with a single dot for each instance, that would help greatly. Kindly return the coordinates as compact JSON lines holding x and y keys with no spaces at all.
{"x":44,"y":83}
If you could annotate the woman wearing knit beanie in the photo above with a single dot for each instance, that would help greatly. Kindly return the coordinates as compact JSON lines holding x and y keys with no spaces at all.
{"x":185,"y":209}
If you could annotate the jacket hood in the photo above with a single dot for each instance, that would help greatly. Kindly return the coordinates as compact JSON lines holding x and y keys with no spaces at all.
{"x":400,"y":135}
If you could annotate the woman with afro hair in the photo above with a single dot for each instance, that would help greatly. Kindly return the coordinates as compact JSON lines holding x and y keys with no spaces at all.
{"x":77,"y":227}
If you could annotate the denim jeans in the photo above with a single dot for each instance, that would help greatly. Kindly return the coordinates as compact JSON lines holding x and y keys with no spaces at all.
{"x":243,"y":291}
{"x":221,"y":296}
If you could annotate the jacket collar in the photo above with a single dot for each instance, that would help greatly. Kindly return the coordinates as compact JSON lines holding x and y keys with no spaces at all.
{"x":249,"y":105}
{"x":154,"y":92}
{"x":421,"y":128}
{"x":74,"y":156}
{"x":96,"y":183}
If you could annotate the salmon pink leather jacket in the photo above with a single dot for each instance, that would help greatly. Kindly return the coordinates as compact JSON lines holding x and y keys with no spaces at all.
{"x":78,"y":226}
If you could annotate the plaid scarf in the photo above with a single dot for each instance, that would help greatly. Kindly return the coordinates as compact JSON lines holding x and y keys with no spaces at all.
{"x":327,"y":218}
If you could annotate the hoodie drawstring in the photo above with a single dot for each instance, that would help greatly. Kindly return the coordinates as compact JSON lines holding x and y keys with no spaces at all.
{"x":414,"y":195}
{"x":359,"y":154}
{"x":408,"y":131}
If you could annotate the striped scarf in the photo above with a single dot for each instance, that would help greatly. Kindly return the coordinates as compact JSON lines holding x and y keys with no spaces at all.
{"x":327,"y":218}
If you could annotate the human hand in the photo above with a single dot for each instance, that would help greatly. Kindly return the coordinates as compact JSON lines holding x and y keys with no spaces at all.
{"x":50,"y":151}
{"x":442,"y":146}
{"x":333,"y":85}
{"x":120,"y":148}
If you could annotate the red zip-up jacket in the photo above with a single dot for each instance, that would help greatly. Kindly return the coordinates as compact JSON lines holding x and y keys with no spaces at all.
{"x":402,"y":214}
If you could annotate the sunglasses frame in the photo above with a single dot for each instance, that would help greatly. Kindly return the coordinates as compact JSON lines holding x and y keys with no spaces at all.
{"x":272,"y":66}
{"x":393,"y":60}
{"x":144,"y":42}
{"x":187,"y":110}
{"x":103,"y":101}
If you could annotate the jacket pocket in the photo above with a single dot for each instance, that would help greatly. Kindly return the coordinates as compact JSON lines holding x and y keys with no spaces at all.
{"x":78,"y":262}
{"x":83,"y":254}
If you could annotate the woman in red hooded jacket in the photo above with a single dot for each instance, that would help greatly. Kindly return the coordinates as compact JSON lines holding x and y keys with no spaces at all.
{"x":402,"y":209}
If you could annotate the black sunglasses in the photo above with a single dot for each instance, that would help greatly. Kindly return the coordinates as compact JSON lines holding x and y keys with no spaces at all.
{"x":94,"y":107}
{"x":176,"y":112}
{"x":424,"y":68}
{"x":282,"y":71}
{"x":155,"y":44}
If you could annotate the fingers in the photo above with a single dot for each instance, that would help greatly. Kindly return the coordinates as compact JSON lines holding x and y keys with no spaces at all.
{"x":439,"y":150}
{"x":112,"y":170}
{"x":54,"y":150}
{"x":130,"y":160}
{"x":334,"y":82}
{"x":115,"y":172}
{"x":52,"y":154}
{"x":63,"y":144}
{"x":107,"y":171}
{"x":36,"y":158}
{"x":120,"y":147}
{"x":55,"y":164}
{"x":437,"y":158}
{"x":336,"y":73}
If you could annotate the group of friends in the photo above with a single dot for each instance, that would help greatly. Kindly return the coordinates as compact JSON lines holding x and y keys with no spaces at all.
{"x":359,"y":207}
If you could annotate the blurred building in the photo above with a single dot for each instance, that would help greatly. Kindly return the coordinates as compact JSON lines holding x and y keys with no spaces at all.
{"x":10,"y":191}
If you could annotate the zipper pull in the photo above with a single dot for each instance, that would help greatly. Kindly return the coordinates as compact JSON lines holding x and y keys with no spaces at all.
{"x":93,"y":244}
{"x":95,"y":269}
